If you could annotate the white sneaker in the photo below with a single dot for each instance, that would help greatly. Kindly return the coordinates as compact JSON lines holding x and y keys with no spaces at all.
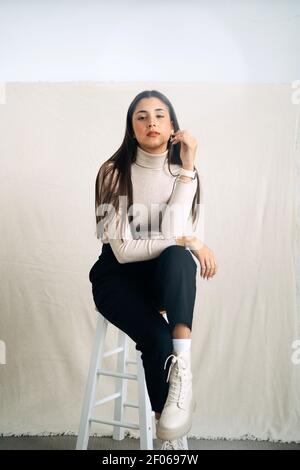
{"x":176,"y":417}
{"x":174,"y":444}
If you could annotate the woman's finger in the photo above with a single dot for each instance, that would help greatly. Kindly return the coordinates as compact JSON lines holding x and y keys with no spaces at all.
{"x":203,"y":266}
{"x":177,"y":136}
{"x":208,"y":266}
{"x":212,"y":269}
{"x":215,"y":266}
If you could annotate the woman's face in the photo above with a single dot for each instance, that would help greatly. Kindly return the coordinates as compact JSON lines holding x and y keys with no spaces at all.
{"x":151,"y":114}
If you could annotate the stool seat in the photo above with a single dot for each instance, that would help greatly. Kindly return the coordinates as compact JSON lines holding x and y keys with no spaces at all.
{"x":145,"y":413}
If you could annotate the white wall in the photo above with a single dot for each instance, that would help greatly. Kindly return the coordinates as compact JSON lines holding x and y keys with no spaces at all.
{"x":204,"y":41}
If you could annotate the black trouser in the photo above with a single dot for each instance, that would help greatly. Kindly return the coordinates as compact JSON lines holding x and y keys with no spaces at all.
{"x":130,"y":296}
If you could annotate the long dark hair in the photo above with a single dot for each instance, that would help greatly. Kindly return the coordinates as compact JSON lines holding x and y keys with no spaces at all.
{"x":116,"y":171}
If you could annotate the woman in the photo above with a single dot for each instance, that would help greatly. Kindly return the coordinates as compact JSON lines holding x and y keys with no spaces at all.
{"x":147,"y":193}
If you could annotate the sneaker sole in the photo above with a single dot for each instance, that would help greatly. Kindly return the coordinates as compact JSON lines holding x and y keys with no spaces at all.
{"x":170,"y":434}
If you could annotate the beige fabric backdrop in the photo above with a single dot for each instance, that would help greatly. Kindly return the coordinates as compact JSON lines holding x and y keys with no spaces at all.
{"x":54,"y":136}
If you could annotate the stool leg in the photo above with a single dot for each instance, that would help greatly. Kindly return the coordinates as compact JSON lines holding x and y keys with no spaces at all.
{"x":145,"y":409}
{"x":89,"y":396}
{"x":121,"y":386}
{"x":185,"y":442}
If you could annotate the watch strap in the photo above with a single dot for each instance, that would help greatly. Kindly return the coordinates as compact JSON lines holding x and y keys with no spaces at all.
{"x":190,"y":173}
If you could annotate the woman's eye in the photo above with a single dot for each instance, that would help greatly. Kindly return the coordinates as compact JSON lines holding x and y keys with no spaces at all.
{"x":142,"y":117}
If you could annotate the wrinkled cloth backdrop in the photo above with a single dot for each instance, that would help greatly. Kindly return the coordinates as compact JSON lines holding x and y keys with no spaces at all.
{"x":53,"y":139}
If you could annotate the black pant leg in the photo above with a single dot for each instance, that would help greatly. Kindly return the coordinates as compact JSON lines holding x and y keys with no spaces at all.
{"x":175,"y":281}
{"x":119,"y":299}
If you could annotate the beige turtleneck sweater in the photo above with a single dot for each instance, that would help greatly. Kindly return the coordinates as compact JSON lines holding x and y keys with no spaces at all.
{"x":154,"y":190}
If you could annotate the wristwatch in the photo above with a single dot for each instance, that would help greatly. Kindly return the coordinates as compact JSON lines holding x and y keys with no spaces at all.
{"x":190,"y":173}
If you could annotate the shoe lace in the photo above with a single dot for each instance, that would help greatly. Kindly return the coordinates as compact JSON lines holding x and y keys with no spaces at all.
{"x":176,"y":376}
{"x":173,"y":444}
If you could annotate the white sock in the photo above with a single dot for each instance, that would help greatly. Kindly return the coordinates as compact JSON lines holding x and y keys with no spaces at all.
{"x":181,"y":344}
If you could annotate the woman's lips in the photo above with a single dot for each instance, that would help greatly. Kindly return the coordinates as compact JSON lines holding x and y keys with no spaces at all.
{"x":152,"y":135}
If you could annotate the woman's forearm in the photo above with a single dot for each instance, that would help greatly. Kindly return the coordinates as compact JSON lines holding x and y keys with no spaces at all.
{"x":192,"y":242}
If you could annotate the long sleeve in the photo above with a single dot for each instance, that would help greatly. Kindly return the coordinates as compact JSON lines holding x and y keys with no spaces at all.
{"x":176,"y":220}
{"x":128,"y":250}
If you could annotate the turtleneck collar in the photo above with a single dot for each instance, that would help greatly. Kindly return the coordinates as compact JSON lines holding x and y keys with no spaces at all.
{"x":150,"y":160}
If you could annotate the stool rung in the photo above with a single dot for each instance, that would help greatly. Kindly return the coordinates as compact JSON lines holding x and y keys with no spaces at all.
{"x":114,"y":397}
{"x":116,"y":423}
{"x":130,"y":362}
{"x":110,"y":352}
{"x":108,"y":398}
{"x":131,"y":405}
{"x":117,"y":374}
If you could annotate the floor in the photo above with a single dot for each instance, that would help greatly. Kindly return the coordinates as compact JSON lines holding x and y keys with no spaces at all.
{"x":107,"y":443}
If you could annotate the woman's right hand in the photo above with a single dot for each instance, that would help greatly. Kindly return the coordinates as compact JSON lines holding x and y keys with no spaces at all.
{"x":204,"y":254}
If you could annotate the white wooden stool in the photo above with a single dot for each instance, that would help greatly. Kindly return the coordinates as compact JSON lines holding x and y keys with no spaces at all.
{"x":145,"y":422}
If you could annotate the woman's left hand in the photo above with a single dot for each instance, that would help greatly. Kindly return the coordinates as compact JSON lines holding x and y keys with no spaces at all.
{"x":188,"y":148}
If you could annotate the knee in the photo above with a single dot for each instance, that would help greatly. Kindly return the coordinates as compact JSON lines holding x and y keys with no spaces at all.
{"x":175,"y":251}
{"x":178,"y":255}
